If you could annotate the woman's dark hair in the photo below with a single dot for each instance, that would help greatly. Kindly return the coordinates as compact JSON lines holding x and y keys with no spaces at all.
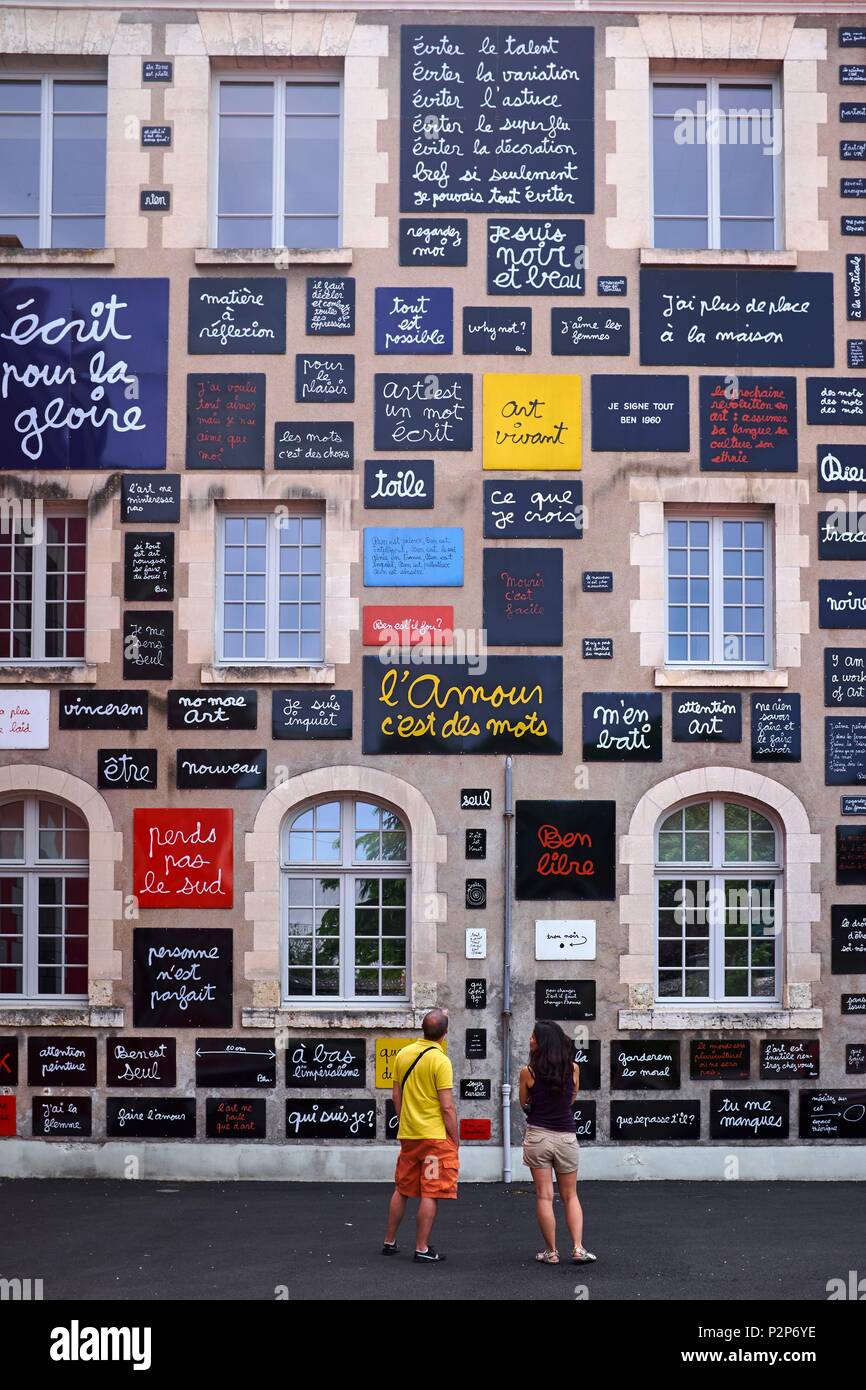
{"x":552,"y":1057}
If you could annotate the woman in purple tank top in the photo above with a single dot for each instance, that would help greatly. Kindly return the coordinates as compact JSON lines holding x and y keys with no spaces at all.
{"x":548,"y":1086}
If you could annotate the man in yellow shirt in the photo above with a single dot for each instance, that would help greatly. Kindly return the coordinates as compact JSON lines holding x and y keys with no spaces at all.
{"x":428,"y":1163}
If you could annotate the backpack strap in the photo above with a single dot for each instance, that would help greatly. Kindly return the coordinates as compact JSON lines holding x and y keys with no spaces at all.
{"x":413,"y":1066}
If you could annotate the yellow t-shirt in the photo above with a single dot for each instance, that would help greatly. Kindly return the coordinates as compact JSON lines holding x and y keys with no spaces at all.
{"x":421,"y":1113}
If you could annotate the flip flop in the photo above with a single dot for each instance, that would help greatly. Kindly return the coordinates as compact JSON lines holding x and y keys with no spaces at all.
{"x":547,"y":1257}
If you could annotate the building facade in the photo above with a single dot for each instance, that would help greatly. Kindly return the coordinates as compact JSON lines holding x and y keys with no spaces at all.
{"x":431,"y":457}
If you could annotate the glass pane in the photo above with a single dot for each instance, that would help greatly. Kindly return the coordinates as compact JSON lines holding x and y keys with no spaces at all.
{"x":679,"y":168}
{"x":313,"y":98}
{"x":78,"y":165}
{"x":736,"y":816}
{"x":311,"y":232}
{"x":697,"y":817}
{"x":19,"y":159}
{"x":312,"y":165}
{"x":681,"y":233}
{"x":246,"y":166}
{"x":246,"y":98}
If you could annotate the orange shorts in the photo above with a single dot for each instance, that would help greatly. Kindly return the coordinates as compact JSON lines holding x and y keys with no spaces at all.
{"x":427,"y":1168}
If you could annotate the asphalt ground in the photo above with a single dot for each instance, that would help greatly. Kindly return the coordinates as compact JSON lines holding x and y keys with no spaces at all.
{"x":161,"y":1241}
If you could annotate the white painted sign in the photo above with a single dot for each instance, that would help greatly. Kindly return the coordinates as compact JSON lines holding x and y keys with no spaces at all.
{"x":565,"y":940}
{"x":24,"y":718}
{"x":476,"y":943}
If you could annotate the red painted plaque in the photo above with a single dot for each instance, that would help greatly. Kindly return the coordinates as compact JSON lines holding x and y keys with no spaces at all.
{"x":474,"y":1129}
{"x":182,"y":858}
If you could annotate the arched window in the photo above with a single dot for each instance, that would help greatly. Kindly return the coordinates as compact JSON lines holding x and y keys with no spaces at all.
{"x":718,"y":904}
{"x":44,"y":849}
{"x":345,"y":866}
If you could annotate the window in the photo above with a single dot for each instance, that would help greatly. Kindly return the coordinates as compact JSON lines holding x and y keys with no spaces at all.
{"x":718,"y":590}
{"x":346,"y":885}
{"x":42,"y":589}
{"x":718,"y":901}
{"x":716,"y":166}
{"x":43,"y":900}
{"x":52,"y":154}
{"x":271,"y":589}
{"x":278,"y":163}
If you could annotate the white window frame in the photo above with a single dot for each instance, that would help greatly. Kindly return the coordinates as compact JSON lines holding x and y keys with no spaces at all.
{"x":31,"y":868}
{"x":272,"y":600}
{"x":279,"y":82}
{"x":46,"y":145}
{"x":38,"y":626}
{"x":713,"y":218}
{"x":347,"y":870}
{"x":716,"y":517}
{"x":717,"y":872}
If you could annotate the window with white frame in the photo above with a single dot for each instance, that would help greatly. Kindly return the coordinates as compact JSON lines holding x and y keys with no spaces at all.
{"x":345,"y":867}
{"x":44,"y":850}
{"x":718,"y":904}
{"x":271,"y":588}
{"x":718,"y":590}
{"x":716,"y":166}
{"x":278,"y":162}
{"x":42,"y":589}
{"x":52,"y":157}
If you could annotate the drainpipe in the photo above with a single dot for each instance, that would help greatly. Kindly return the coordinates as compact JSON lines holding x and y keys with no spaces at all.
{"x":508,"y":825}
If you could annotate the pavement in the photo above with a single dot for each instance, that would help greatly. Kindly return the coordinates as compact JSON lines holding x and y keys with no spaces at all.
{"x":133,"y":1240}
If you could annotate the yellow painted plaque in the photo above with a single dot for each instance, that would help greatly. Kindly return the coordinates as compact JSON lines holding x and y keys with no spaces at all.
{"x":532,"y":421}
{"x":386,"y":1051}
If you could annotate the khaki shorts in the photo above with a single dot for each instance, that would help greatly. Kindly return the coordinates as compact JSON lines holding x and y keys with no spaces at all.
{"x":547,"y":1148}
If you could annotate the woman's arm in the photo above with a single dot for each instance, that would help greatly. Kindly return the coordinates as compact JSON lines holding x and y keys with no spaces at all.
{"x":576,"y":1079}
{"x":525,"y":1084}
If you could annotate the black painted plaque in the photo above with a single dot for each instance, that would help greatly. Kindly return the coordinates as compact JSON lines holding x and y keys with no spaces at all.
{"x":842,"y":603}
{"x":330,"y":303}
{"x":155,"y":136}
{"x":748,"y":424}
{"x":418,"y":411}
{"x":102,"y":709}
{"x":61,"y":1061}
{"x":524,"y":510}
{"x":475,"y":844}
{"x":297,"y":713}
{"x":776,"y":729}
{"x":475,"y":1088}
{"x":157,"y":70}
{"x":841,"y":466}
{"x":853,"y":1003}
{"x":835,"y":400}
{"x":476,"y":994}
{"x":597,"y":582}
{"x":855,"y":1059}
{"x":154,"y":200}
{"x":612,"y":284}
{"x":140,"y":1061}
{"x":852,"y":805}
{"x":649,"y":1121}
{"x":719,"y":1059}
{"x":148,"y":646}
{"x":845,"y":677}
{"x":476,"y":1043}
{"x":145,"y":1117}
{"x":492,"y":331}
{"x":622,"y":727}
{"x":848,"y":939}
{"x":433,"y":241}
{"x":225,"y":420}
{"x":147,"y":498}
{"x":588,"y":1059}
{"x":845,"y":751}
{"x":842,"y":535}
{"x":328,"y":445}
{"x":221,"y":769}
{"x":232,"y":1118}
{"x":794,"y":1059}
{"x":236,"y":1063}
{"x":566,"y":850}
{"x":640,"y":413}
{"x":596,"y":648}
{"x":644,"y":1065}
{"x":833,"y":1114}
{"x":330,"y":1119}
{"x":573,"y":1000}
{"x":585,"y":1127}
{"x":851,"y":855}
{"x":390,"y":483}
{"x":182,"y":977}
{"x":324,"y":379}
{"x":230,"y":709}
{"x":8,"y":1060}
{"x":475,"y":894}
{"x":475,"y":799}
{"x":598,"y":332}
{"x":237,"y":316}
{"x":62,"y":1117}
{"x":532,"y":257}
{"x":148,"y":566}
{"x":126,"y":768}
{"x":745,"y":1115}
{"x":706,"y":718}
{"x":523,"y":597}
{"x":326,"y":1062}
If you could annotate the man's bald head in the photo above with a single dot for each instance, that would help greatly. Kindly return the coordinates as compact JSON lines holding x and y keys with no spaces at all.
{"x":435,"y":1025}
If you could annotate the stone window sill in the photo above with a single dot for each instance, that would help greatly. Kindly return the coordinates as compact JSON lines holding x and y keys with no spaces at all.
{"x":24,"y":255}
{"x":653,"y":255}
{"x":273,"y":255}
{"x":59,"y":1016}
{"x":401,"y":1016}
{"x":762,"y":1020}
{"x":49,"y":675}
{"x":268,"y":675}
{"x":696,"y":679}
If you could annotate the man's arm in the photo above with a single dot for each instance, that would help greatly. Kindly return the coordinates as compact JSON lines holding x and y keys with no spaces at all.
{"x":397,"y":1097}
{"x":449,"y":1116}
